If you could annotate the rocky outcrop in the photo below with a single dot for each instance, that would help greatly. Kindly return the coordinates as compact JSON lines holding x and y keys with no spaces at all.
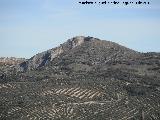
{"x":43,"y":58}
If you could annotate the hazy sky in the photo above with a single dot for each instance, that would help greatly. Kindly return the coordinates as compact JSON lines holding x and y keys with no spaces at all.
{"x":31,"y":26}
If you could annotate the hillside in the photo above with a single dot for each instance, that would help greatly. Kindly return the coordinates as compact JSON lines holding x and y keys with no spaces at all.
{"x":84,"y":78}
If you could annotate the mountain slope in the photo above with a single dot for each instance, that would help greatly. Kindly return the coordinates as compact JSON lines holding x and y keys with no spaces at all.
{"x":84,"y":79}
{"x":87,"y":48}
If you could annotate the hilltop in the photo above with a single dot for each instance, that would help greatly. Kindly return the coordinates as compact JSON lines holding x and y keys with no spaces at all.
{"x":92,"y":50}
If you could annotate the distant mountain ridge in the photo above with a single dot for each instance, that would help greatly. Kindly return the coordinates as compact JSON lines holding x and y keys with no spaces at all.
{"x":11,"y":60}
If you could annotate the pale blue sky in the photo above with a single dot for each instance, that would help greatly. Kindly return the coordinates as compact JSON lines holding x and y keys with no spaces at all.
{"x":31,"y":26}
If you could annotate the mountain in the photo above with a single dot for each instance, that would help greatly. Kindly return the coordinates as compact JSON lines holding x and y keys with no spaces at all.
{"x":95,"y":51}
{"x":84,"y":78}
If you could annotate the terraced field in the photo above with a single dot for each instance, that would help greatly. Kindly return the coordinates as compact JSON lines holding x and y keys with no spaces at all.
{"x":75,"y":92}
{"x":35,"y":101}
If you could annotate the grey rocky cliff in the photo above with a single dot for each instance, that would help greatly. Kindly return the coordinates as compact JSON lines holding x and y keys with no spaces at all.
{"x":43,"y":58}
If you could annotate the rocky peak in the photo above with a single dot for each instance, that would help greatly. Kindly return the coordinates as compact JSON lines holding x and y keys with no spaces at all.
{"x":94,"y":47}
{"x":43,"y":58}
{"x":79,"y":40}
